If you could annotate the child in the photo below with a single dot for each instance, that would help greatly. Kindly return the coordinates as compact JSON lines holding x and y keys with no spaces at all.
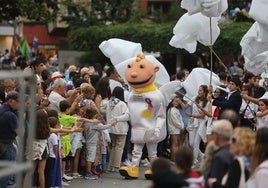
{"x":262,"y":114}
{"x":67,"y":121}
{"x":164,"y":176}
{"x":174,"y":125}
{"x":91,"y":138}
{"x":115,"y":107}
{"x":184,"y":160}
{"x":40,"y":153}
{"x":53,"y":147}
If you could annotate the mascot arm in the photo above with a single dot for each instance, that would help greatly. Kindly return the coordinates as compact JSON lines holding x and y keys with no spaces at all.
{"x":160,"y":122}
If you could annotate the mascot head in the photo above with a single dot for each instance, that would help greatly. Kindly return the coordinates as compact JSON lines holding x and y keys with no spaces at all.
{"x":141,"y":72}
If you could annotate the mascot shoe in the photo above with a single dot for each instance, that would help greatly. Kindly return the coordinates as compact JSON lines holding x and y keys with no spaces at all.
{"x":148,"y":174}
{"x":129,"y":172}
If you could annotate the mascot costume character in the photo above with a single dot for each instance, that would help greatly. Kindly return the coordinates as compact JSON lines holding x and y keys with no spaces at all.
{"x":146,"y":103}
{"x":146,"y":112}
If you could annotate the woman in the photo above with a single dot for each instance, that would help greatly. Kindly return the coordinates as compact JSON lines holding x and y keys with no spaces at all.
{"x":242,"y":145}
{"x":174,"y":125}
{"x":259,"y":167}
{"x":198,"y":119}
{"x":103,"y":94}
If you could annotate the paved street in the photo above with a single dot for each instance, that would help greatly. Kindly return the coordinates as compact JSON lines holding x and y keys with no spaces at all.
{"x":112,"y":180}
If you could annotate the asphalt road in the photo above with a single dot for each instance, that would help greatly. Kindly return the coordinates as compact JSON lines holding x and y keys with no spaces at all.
{"x":112,"y":180}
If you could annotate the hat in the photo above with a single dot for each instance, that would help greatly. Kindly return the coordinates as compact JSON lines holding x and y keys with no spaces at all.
{"x":222,"y":127}
{"x":69,"y":87}
{"x":12,"y":95}
{"x":57,"y":75}
{"x":236,"y":80}
{"x":119,"y":50}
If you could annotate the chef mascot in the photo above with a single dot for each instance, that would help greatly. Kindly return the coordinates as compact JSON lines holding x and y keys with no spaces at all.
{"x":146,"y":112}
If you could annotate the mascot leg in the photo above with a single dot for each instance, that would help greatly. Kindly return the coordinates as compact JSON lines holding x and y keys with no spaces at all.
{"x":152,"y":154}
{"x":132,"y":172}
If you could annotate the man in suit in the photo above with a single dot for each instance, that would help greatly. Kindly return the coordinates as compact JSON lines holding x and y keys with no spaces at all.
{"x":232,"y":99}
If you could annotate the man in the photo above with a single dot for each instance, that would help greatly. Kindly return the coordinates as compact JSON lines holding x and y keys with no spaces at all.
{"x":255,"y":99}
{"x":58,"y":93}
{"x":232,"y":99}
{"x":222,"y":158}
{"x":8,"y":130}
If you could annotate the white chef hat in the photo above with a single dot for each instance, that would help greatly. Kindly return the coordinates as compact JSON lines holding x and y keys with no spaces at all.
{"x":119,"y":50}
{"x":122,"y":52}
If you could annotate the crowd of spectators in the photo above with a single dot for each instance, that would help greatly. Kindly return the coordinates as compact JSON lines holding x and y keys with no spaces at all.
{"x":212,"y":136}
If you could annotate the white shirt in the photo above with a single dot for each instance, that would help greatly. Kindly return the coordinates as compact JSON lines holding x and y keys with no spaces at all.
{"x":52,"y":141}
{"x":55,"y":99}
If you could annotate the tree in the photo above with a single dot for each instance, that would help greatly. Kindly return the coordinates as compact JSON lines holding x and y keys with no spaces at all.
{"x":110,"y":11}
{"x":43,"y":11}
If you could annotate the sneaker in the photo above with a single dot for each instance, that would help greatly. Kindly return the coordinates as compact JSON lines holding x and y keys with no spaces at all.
{"x":64,"y":184}
{"x":11,"y":184}
{"x":67,"y":177}
{"x":115,"y":169}
{"x":90,"y":176}
{"x":76,"y":175}
{"x":93,"y":171}
{"x":144,"y":162}
{"x":126,"y":163}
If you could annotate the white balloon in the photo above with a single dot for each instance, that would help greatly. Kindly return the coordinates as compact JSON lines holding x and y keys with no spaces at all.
{"x":254,"y":46}
{"x":209,"y":8}
{"x":258,"y":11}
{"x":197,"y":77}
{"x":192,"y":28}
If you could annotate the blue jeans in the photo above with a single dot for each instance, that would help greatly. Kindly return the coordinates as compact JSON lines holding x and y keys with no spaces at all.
{"x":103,"y":162}
{"x":8,"y":155}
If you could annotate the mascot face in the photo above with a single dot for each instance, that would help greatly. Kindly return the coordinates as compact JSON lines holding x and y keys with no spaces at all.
{"x":140,"y":73}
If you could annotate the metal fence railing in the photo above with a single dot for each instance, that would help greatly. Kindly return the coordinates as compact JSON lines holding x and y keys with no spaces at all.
{"x":22,"y":167}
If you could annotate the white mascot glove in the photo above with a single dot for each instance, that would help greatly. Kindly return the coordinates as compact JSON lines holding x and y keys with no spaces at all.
{"x":157,"y":132}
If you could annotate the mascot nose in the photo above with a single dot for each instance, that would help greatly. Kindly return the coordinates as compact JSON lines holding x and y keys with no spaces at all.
{"x":134,"y":74}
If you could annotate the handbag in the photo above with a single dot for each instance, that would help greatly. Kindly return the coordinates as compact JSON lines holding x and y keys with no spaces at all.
{"x":242,"y":181}
{"x":247,"y":122}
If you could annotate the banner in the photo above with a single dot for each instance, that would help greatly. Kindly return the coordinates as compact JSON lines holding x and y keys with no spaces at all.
{"x":25,"y":48}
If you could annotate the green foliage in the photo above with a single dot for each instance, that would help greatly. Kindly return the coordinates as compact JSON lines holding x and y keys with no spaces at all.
{"x":9,"y":9}
{"x":230,"y":37}
{"x":91,"y":57}
{"x":107,"y":11}
{"x":174,"y":13}
{"x":154,"y":37}
{"x":43,"y":11}
{"x":37,"y":10}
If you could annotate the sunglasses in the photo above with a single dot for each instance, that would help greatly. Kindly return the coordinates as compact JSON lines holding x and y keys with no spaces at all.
{"x":234,"y":140}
